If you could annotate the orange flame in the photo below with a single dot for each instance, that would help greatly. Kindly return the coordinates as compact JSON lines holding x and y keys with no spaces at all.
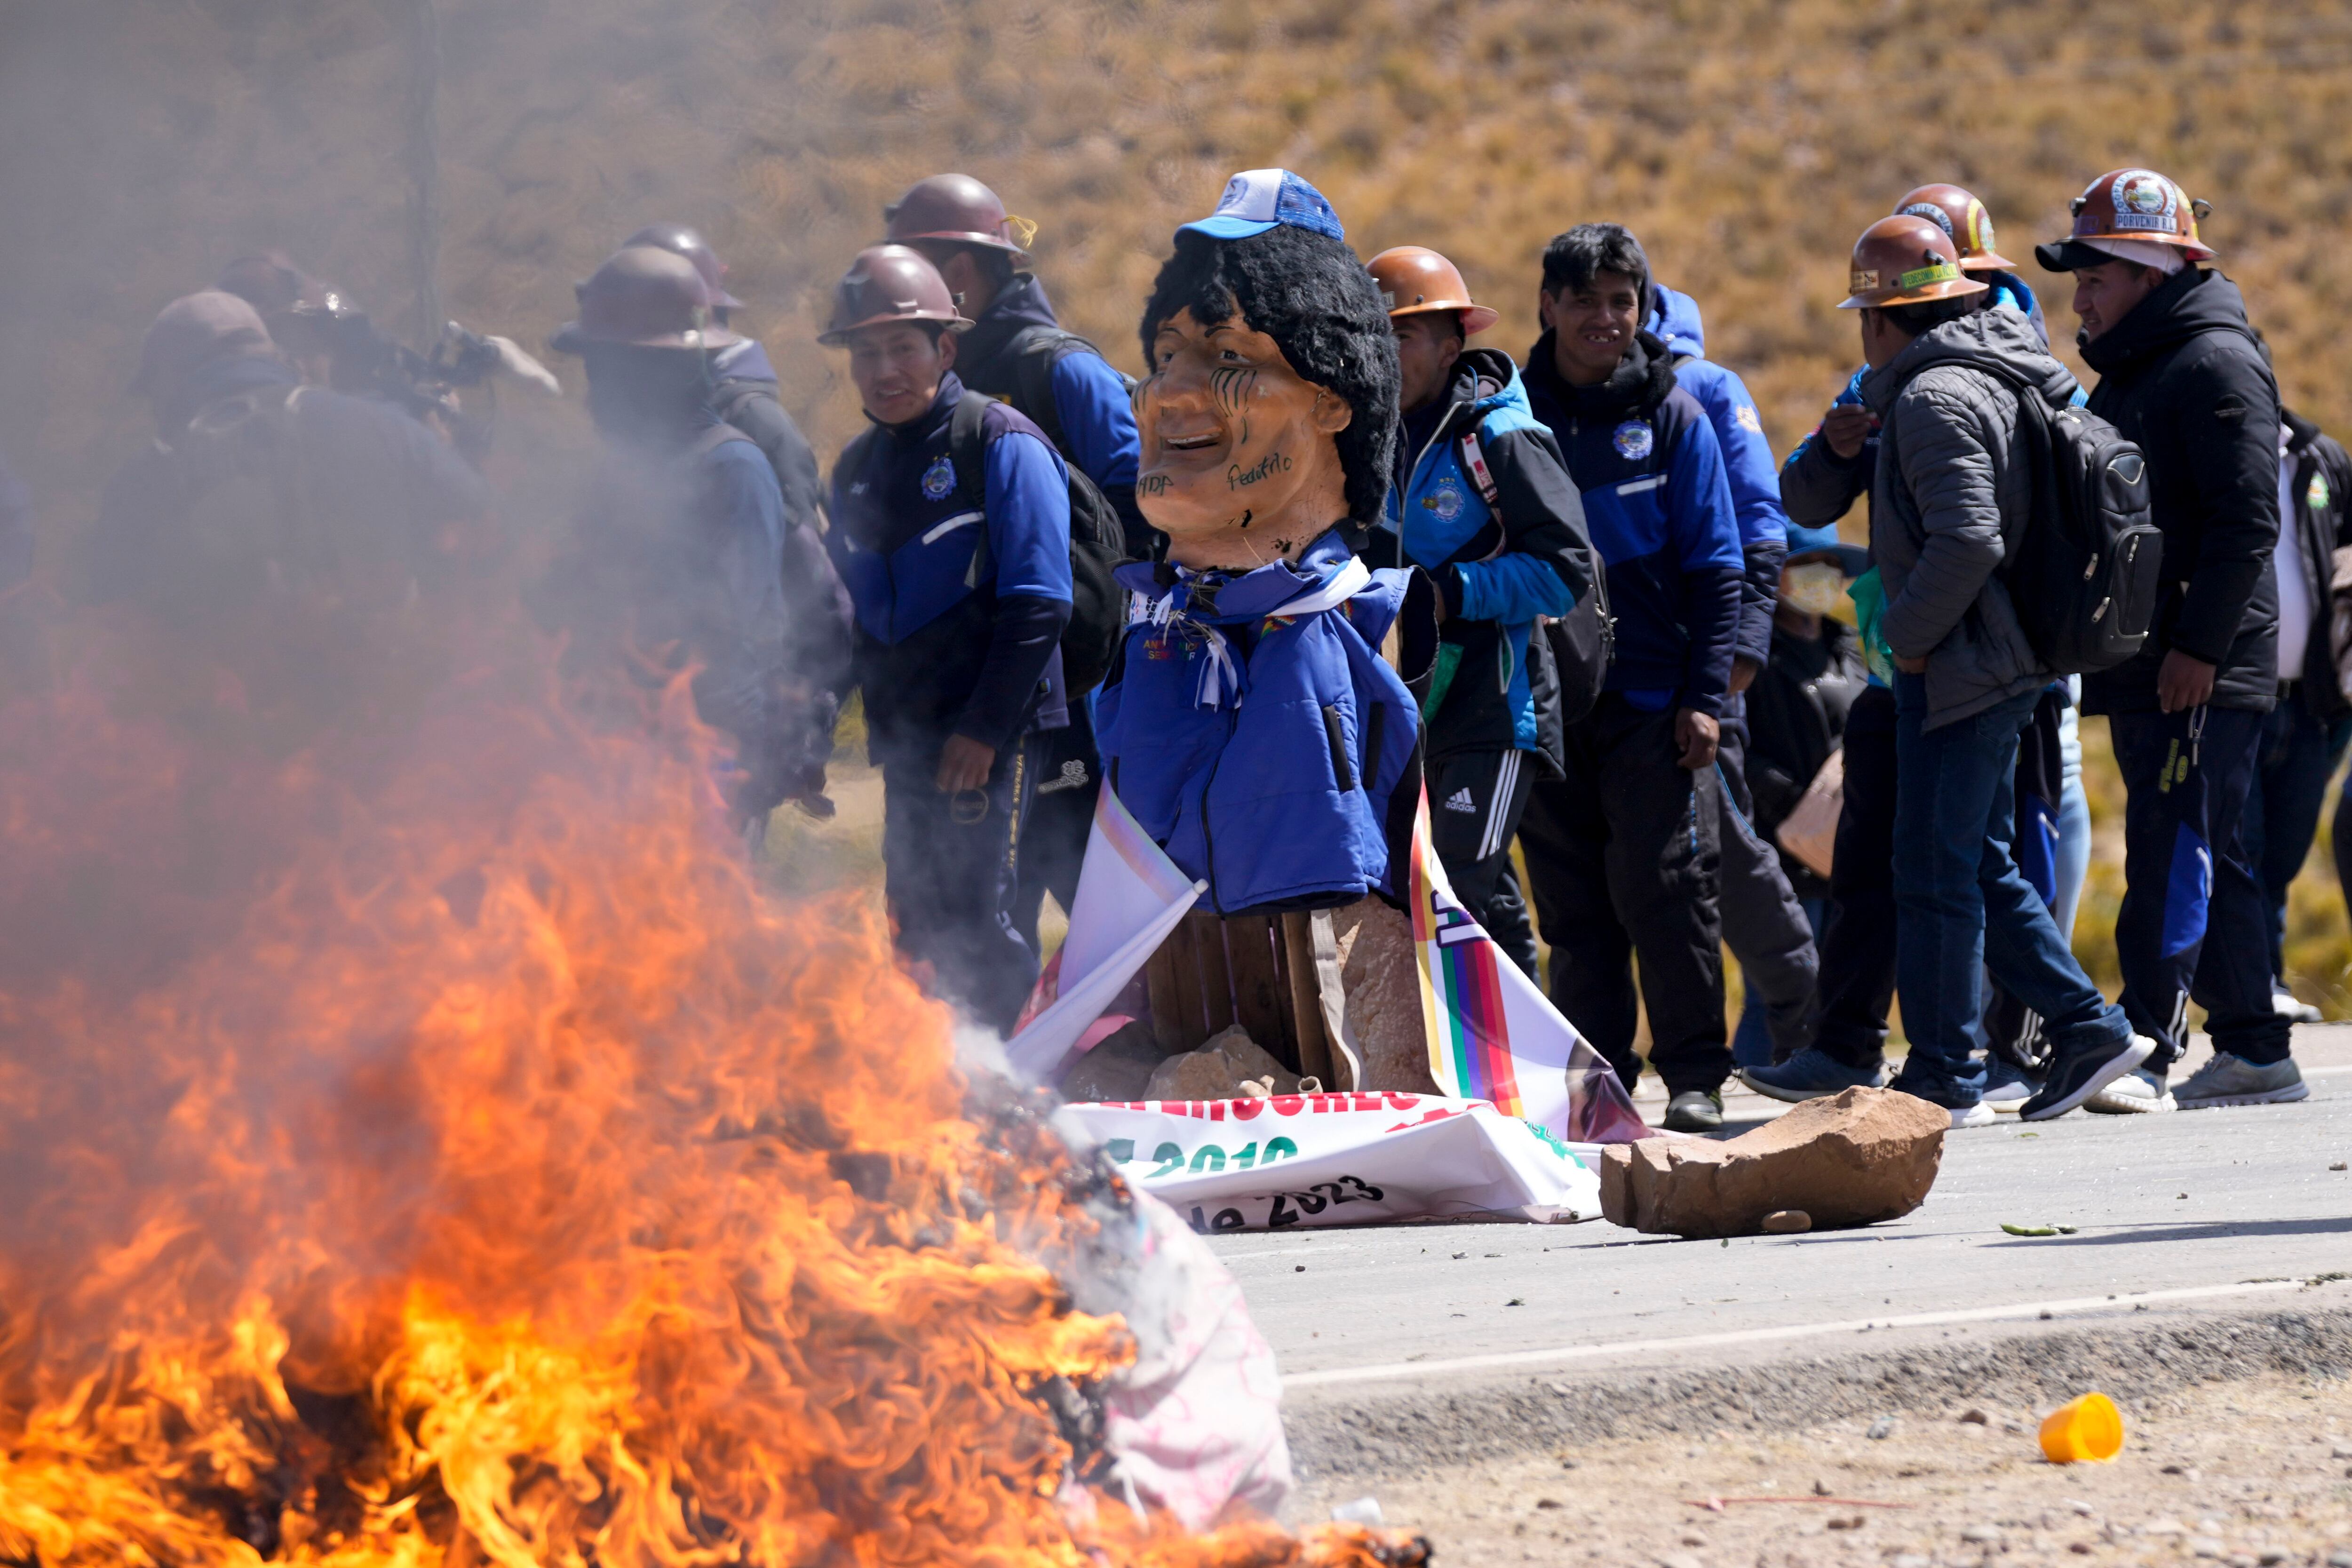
{"x":424,"y":1144}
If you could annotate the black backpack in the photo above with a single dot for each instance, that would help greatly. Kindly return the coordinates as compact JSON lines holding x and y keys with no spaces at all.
{"x":1033,"y":352}
{"x":1582,"y":641}
{"x":2084,"y":574}
{"x":1098,"y":544}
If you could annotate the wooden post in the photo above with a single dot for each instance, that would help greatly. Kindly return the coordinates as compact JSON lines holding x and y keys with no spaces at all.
{"x":1304,"y":1000}
{"x":1261,"y":996}
{"x":1216,"y":973}
{"x":425,"y":171}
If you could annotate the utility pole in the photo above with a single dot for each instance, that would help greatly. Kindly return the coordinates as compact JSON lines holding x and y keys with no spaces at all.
{"x":425,"y":171}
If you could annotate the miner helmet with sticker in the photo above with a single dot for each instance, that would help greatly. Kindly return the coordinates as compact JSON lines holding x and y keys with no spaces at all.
{"x":1963,"y":217}
{"x":2128,"y":205}
{"x":1415,"y":281}
{"x":956,"y":209}
{"x":1904,"y":260}
{"x":890,"y":283}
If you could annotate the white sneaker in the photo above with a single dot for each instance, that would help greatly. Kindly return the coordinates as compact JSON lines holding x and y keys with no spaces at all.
{"x":2294,"y":1008}
{"x":1977,"y":1115}
{"x":2136,"y":1093}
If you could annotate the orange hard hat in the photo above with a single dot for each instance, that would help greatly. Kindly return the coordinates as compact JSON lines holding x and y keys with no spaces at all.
{"x":890,"y":283}
{"x":1961,"y":217}
{"x":2135,"y":204}
{"x":1414,"y":280}
{"x":1904,"y":260}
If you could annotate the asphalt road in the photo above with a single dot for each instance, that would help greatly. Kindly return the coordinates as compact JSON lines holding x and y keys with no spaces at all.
{"x":2186,"y":1212}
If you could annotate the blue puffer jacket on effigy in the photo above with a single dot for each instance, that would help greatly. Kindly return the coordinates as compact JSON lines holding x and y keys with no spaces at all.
{"x":1252,"y":729}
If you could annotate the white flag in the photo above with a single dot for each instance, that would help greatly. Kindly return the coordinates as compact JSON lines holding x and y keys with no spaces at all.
{"x":1130,"y":896}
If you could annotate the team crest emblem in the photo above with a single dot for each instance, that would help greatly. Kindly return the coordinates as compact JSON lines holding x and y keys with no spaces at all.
{"x":1446,"y":504}
{"x":1632,"y":440}
{"x":939,"y":480}
{"x":2144,"y":199}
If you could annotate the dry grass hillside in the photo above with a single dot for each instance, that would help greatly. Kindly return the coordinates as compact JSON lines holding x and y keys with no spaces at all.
{"x":142,"y":142}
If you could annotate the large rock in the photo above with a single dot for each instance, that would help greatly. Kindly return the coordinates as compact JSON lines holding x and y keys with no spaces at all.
{"x":1379,"y":971}
{"x":1219,"y":1069}
{"x":1118,"y":1068}
{"x":1867,"y":1155}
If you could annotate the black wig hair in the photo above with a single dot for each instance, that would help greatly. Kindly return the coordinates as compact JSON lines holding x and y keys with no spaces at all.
{"x":1573,"y":259}
{"x":1311,"y":295}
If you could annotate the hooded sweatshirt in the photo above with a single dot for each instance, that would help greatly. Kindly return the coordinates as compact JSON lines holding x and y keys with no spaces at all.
{"x":1746,"y":464}
{"x":1954,"y":487}
{"x":1659,"y":507}
{"x":1498,"y":565}
{"x":2181,"y":375}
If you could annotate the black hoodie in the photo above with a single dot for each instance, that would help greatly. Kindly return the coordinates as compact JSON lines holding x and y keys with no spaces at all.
{"x":2181,"y":375}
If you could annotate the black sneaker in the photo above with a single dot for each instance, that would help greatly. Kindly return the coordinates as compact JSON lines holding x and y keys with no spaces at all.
{"x":1695,"y":1110}
{"x":2077,"y":1075}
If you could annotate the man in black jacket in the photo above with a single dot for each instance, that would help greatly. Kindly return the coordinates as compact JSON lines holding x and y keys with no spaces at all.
{"x":2305,"y":737}
{"x":2180,"y":373}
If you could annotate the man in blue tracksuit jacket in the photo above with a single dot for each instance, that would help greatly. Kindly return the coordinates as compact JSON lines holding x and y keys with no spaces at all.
{"x":1624,"y":854}
{"x":1763,"y":923}
{"x":1018,"y":350}
{"x":1482,"y":502}
{"x":960,"y":618}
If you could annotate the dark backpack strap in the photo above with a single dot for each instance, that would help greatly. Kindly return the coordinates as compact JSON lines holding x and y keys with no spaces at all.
{"x":713,"y":438}
{"x":1033,"y":372}
{"x":968,"y":451}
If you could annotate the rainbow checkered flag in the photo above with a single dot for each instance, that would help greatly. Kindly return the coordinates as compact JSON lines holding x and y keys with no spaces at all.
{"x":1493,"y":1036}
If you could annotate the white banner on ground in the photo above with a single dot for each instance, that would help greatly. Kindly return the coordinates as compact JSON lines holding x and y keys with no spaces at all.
{"x":1130,"y":896}
{"x":1340,"y":1159}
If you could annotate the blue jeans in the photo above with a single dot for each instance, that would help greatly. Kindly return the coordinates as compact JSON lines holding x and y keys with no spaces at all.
{"x":2297,"y":757}
{"x":1961,"y":906}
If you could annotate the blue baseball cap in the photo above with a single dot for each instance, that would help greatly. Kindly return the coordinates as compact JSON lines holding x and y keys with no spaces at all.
{"x":1256,"y":200}
{"x":1850,"y":559}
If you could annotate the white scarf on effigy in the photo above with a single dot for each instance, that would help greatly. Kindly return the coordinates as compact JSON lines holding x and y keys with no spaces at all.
{"x":1219,"y":677}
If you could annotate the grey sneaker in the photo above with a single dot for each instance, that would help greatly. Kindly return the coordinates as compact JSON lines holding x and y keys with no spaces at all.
{"x":2136,"y":1093}
{"x":2229,"y":1079}
{"x":1695,"y":1110}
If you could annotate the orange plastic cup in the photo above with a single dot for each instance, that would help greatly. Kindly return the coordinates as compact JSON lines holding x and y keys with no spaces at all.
{"x":2090,"y":1428}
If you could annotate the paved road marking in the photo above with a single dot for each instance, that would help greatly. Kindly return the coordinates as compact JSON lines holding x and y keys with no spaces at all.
{"x":1793,"y":1332}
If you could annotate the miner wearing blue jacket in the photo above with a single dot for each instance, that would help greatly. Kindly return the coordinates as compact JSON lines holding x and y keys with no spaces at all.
{"x":1249,"y":720}
{"x":1763,"y":923}
{"x":959,"y":617}
{"x":674,"y":564}
{"x":1481,"y":501}
{"x":1018,"y":350}
{"x":1624,"y":854}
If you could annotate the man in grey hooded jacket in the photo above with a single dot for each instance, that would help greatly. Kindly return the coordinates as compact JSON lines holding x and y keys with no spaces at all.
{"x":1952,"y":491}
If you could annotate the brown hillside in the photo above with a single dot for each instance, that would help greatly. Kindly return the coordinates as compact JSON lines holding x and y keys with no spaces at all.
{"x":142,"y":144}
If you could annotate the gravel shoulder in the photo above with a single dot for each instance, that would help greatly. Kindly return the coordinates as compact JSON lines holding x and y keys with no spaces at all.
{"x":2250,"y":1470}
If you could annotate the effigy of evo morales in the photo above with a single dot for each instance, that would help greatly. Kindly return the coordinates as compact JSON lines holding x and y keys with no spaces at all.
{"x":1250,"y":723}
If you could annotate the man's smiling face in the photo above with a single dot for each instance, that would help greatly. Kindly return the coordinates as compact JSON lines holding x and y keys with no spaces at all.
{"x":1239,"y":466}
{"x":1592,"y":326}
